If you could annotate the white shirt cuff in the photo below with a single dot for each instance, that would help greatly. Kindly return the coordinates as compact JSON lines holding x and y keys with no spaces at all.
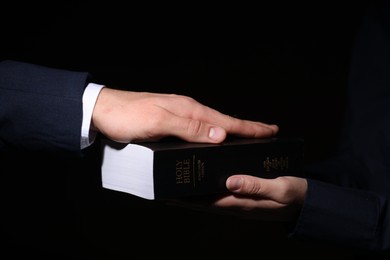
{"x":89,"y":99}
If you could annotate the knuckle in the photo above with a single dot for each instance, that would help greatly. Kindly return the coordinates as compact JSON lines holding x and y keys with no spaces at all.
{"x":254,"y":188}
{"x":194,"y":127}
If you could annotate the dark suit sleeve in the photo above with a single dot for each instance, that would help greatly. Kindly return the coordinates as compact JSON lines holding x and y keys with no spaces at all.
{"x":351,"y":218}
{"x":41,"y":107}
{"x":348,"y":202}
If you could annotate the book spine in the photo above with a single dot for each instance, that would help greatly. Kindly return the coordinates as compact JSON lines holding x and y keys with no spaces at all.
{"x":202,"y":171}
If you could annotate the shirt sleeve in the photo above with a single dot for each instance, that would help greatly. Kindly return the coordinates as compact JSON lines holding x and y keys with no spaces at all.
{"x":89,"y":100}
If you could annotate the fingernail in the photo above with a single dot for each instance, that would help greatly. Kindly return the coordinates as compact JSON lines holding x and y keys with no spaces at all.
{"x":275,"y":128}
{"x":234,"y":183}
{"x":216,"y":133}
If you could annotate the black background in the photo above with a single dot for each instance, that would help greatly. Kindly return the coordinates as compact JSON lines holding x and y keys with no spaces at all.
{"x":283,"y":63}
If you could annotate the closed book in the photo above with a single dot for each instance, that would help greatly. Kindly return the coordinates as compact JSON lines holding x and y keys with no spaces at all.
{"x":170,"y":169}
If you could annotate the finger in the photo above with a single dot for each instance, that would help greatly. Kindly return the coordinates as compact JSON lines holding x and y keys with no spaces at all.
{"x":246,"y":203}
{"x":232,"y":125}
{"x":247,"y":128}
{"x":259,"y":209}
{"x":241,"y":127}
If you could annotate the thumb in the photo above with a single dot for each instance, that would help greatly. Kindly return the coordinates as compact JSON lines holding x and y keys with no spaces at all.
{"x":249,"y":185}
{"x":195,"y":130}
{"x":283,"y":189}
